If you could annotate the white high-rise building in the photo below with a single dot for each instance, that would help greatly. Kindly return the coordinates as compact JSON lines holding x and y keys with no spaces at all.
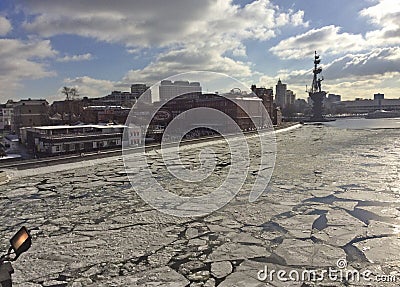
{"x":169,"y":89}
{"x":280,"y":94}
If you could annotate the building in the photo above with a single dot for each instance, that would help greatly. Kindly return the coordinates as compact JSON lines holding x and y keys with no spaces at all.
{"x":332,"y":98}
{"x":104,"y":114}
{"x":290,"y":98}
{"x":301,"y":106}
{"x":280,"y":94}
{"x":267,"y":97}
{"x":56,"y":140}
{"x":360,"y":106}
{"x":143,"y":91}
{"x":2,"y":106}
{"x":379,"y":96}
{"x":135,"y":135}
{"x":8,"y":116}
{"x":112,"y":114}
{"x":252,"y":116}
{"x":169,"y":89}
{"x":119,"y":98}
{"x":11,"y":143}
{"x":69,"y":111}
{"x":277,"y":115}
{"x":30,"y":113}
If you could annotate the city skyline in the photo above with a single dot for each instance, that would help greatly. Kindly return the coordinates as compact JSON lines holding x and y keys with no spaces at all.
{"x":45,"y":45}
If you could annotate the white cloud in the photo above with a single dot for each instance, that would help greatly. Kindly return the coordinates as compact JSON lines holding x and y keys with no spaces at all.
{"x":194,"y":35}
{"x":330,"y":39}
{"x":385,"y":14}
{"x":90,"y":87}
{"x":21,"y":60}
{"x":5,"y":26}
{"x":146,"y":23}
{"x":188,"y":59}
{"x":327,"y":39}
{"x":375,"y":62}
{"x":76,"y":58}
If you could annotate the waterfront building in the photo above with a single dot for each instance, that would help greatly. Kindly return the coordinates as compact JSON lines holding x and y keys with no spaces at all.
{"x":229,"y":106}
{"x":360,"y":106}
{"x":55,"y":140}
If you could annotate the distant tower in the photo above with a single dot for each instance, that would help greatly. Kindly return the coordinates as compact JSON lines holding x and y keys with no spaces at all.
{"x":280,"y":94}
{"x":316,"y":94}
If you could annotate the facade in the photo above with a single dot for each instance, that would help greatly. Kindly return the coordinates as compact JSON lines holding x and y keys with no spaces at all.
{"x":121,"y":98}
{"x":360,"y":106}
{"x":69,"y":111}
{"x":138,"y":89}
{"x":290,"y":98}
{"x":8,"y":116}
{"x":118,"y":98}
{"x":135,"y":135}
{"x":280,"y":94}
{"x":169,"y":89}
{"x":2,"y":106}
{"x":228,"y":106}
{"x":277,"y":116}
{"x":56,"y":140}
{"x":104,"y":114}
{"x":301,"y":106}
{"x":11,"y":143}
{"x":115,"y":115}
{"x":143,"y":91}
{"x":332,"y":98}
{"x":266,"y":95}
{"x":29,"y":113}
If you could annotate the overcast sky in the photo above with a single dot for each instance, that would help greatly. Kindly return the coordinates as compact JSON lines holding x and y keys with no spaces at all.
{"x":100,"y":45}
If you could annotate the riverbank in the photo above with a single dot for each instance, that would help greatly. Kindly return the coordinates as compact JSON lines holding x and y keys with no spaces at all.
{"x":16,"y":169}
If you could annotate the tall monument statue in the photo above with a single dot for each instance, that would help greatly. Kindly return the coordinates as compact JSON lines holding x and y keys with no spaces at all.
{"x":316,"y":93}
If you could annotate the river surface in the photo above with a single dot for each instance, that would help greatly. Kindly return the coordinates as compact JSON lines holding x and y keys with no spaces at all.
{"x":334,"y":195}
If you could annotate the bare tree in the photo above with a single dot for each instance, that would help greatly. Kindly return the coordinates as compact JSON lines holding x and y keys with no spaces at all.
{"x":74,"y":93}
{"x":70,"y":93}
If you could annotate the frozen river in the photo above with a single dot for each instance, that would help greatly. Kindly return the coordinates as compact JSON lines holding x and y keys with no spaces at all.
{"x":334,"y":196}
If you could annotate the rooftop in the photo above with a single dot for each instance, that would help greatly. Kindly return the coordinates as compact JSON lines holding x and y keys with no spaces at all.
{"x":79,"y":126}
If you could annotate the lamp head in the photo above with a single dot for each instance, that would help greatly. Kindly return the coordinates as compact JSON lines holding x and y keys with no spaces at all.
{"x":21,"y":242}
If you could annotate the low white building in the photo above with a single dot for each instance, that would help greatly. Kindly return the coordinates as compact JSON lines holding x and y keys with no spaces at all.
{"x":51,"y":140}
{"x":135,"y":135}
